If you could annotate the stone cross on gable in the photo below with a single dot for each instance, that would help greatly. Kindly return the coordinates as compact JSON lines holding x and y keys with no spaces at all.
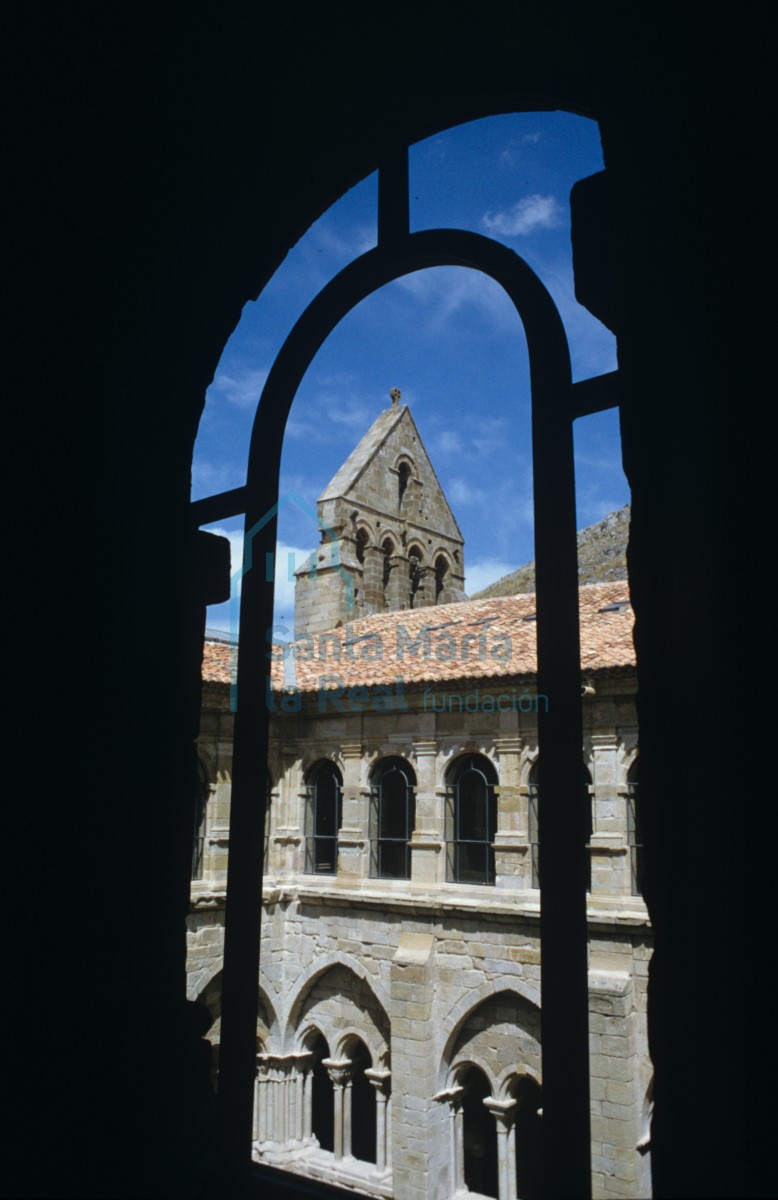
{"x":395,"y":394}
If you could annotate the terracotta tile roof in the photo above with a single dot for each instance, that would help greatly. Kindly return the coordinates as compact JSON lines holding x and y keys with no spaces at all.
{"x":216,"y":663}
{"x":476,"y":639}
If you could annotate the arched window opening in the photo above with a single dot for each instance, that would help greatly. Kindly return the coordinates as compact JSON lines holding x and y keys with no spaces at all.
{"x":387,"y":547}
{"x":471,"y":821}
{"x":634,"y":832}
{"x":528,"y":1138}
{"x":414,"y":573}
{"x":479,"y":1134}
{"x":471,"y":805}
{"x":324,"y":808}
{"x":392,"y":819}
{"x":403,"y":475}
{"x":202,"y":791}
{"x":363,"y":1105}
{"x":441,"y":569}
{"x":322,"y":1097}
{"x":362,"y":541}
{"x":533,"y":825}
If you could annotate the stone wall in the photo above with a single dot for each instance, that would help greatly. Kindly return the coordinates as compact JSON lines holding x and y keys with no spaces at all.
{"x":433,"y":976}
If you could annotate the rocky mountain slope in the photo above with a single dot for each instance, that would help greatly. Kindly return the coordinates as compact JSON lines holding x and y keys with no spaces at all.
{"x":602,"y":558}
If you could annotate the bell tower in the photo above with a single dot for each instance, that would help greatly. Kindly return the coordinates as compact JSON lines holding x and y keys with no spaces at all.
{"x":389,"y":538}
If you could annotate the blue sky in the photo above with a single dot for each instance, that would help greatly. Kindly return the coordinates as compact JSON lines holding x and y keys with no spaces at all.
{"x":448,"y":338}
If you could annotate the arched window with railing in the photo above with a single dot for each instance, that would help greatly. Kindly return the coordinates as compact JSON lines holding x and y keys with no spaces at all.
{"x":392,"y":818}
{"x":634,"y":831}
{"x":324,"y":809}
{"x":471,"y":820}
{"x":471,"y":805}
{"x":533,"y":834}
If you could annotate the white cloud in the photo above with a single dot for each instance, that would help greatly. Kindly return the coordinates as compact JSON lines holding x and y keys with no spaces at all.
{"x":460,"y":492}
{"x":208,"y":477}
{"x":508,"y":157}
{"x":449,"y":442}
{"x":342,"y":244}
{"x":489,"y":570}
{"x":525,"y":216}
{"x":242,"y":388}
{"x":445,"y":292}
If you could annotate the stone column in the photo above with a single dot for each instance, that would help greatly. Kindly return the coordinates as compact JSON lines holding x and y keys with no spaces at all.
{"x":261,"y":1133}
{"x":373,"y":580}
{"x":609,"y":849}
{"x":504,"y":1113}
{"x":302,"y":1074}
{"x":353,"y":834}
{"x":289,"y":824}
{"x":427,"y":839}
{"x":339,"y":1072}
{"x":398,"y":588}
{"x":425,"y":593}
{"x":308,"y":1106}
{"x":511,"y":843}
{"x":454,"y":1096}
{"x":281,"y":1104}
{"x":279,"y":1113}
{"x":380,"y":1081}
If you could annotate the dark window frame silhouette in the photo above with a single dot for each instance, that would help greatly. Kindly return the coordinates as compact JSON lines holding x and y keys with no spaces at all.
{"x":556,"y":403}
{"x":533,"y":822}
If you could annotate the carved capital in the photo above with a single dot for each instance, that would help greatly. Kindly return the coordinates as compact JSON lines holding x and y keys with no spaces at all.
{"x":379,"y":1079}
{"x":339,"y":1070}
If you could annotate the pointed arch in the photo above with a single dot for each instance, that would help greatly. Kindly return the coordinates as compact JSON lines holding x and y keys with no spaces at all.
{"x":526,"y":993}
{"x":305,"y":982}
